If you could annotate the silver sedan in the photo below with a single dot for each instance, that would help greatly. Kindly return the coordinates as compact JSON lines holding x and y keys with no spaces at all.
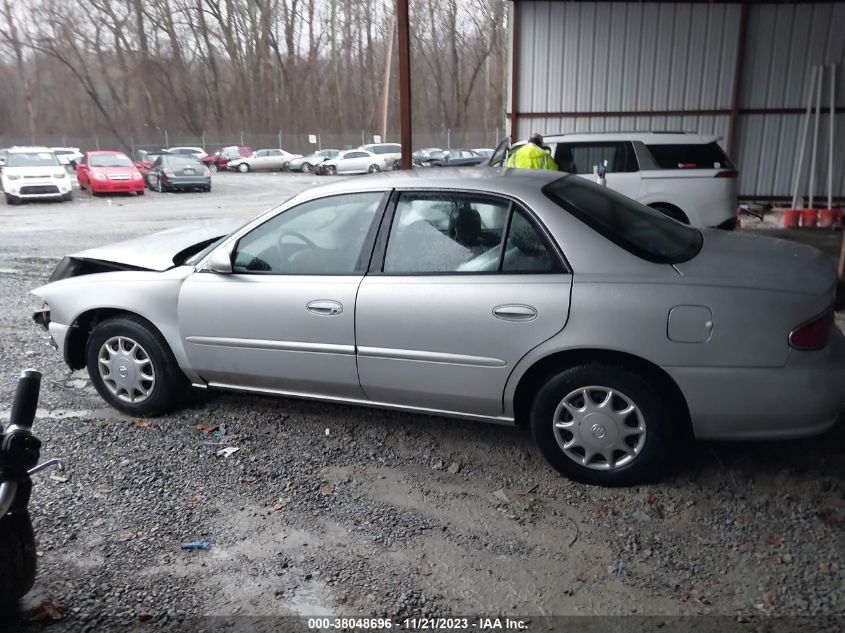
{"x":517,"y":297}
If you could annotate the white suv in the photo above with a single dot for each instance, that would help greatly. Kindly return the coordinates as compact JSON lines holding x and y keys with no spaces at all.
{"x":387,"y":153}
{"x":34,"y":173}
{"x":684,"y":175}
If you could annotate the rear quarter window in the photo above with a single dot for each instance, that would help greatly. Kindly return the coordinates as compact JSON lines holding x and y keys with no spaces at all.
{"x":690,"y":156}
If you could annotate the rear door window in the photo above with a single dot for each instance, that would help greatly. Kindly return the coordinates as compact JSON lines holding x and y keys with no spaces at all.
{"x":690,"y":156}
{"x":452,"y":232}
{"x":579,"y":158}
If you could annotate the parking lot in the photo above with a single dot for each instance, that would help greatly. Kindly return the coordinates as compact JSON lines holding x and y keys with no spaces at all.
{"x":326,"y":508}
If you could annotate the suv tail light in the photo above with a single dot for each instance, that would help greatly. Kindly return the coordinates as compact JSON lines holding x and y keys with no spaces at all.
{"x":727,"y":173}
{"x":813,"y":334}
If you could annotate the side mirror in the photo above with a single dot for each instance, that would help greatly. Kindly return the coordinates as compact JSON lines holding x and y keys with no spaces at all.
{"x":220,"y":260}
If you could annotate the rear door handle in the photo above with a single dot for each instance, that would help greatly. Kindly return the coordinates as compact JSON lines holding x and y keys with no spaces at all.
{"x":515,"y":312}
{"x":325,"y":307}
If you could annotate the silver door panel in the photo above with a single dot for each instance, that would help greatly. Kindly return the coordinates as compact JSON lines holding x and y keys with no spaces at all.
{"x":434,"y":342}
{"x":257,"y":331}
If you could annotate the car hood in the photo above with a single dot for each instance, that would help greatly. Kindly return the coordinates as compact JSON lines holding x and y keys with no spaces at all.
{"x":163,"y":250}
{"x":45,"y":170}
{"x":753,"y":261}
{"x":115,"y":170}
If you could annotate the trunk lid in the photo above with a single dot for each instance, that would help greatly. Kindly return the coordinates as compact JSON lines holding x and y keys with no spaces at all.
{"x":752,"y":261}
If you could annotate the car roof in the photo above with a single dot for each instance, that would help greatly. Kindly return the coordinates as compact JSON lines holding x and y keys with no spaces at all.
{"x":29,"y":149}
{"x":106,"y":151}
{"x":482,"y":179}
{"x":649,"y":138}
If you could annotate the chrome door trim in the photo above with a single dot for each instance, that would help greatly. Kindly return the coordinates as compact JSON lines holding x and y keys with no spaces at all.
{"x":504,"y":420}
{"x":283,"y":346}
{"x":430,"y":357}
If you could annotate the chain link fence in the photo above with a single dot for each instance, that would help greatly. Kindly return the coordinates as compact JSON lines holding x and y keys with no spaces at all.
{"x":299,"y":143}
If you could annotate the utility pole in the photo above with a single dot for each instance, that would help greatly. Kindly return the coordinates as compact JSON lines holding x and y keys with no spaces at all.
{"x":404,"y":82}
{"x":385,"y":86}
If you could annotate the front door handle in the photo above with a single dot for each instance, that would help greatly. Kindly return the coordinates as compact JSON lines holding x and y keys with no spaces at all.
{"x":325,"y":307}
{"x":515,"y":312}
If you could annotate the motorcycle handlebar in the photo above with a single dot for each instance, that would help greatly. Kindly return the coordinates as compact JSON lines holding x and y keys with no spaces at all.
{"x":26,"y":398}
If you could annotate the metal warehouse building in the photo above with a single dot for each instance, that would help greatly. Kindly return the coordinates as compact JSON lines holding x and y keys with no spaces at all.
{"x":739,"y":71}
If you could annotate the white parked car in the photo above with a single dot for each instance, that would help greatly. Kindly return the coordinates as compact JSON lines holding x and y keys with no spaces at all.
{"x":199,"y":152}
{"x":353,"y":161}
{"x":684,"y":175}
{"x":33,"y":173}
{"x":67,"y":155}
{"x":388,"y":152}
{"x":262,"y":160}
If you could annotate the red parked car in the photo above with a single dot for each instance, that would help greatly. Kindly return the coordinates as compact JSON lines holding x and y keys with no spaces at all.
{"x":109,"y":172}
{"x":144,"y":161}
{"x":220,"y":159}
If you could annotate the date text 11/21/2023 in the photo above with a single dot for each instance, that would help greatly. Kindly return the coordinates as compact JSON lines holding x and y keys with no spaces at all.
{"x":419,"y":624}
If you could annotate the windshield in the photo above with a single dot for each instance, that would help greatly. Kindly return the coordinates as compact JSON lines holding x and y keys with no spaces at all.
{"x":180,"y":161}
{"x":635,"y":227}
{"x":110,"y":160}
{"x":32,"y":159}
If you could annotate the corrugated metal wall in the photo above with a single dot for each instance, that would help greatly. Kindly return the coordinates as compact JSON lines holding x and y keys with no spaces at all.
{"x":582,"y":58}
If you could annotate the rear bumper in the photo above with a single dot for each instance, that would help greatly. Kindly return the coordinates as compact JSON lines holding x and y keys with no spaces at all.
{"x":804,"y":398}
{"x":187,"y":183}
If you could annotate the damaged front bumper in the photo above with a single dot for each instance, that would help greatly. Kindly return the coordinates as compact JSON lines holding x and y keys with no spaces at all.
{"x":58,"y":332}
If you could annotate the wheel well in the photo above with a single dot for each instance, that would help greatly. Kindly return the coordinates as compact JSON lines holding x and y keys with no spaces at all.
{"x":537,"y":374}
{"x":674,"y":212}
{"x":77,"y":337}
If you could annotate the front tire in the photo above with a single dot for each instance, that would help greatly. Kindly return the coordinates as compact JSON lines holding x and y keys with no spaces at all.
{"x":68,"y":196}
{"x":160,"y":186}
{"x":17,"y":556}
{"x":12,"y":200}
{"x":132,"y":367}
{"x":243,"y":168}
{"x":604,"y":425}
{"x":307,"y":168}
{"x":213,"y":168}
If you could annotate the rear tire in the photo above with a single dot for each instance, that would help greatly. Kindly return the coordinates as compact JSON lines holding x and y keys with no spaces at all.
{"x":638,"y":443}
{"x":168,"y":383}
{"x":374,"y":169}
{"x":17,"y":556}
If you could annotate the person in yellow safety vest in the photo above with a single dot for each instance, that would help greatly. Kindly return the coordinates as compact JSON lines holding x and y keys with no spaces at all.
{"x":532,"y":155}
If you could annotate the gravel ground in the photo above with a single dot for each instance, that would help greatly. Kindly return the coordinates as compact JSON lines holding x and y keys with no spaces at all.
{"x":328,"y":509}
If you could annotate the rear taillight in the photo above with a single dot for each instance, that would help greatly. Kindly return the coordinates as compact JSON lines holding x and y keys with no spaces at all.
{"x":726,"y":173}
{"x":813,"y":334}
{"x":168,"y":171}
